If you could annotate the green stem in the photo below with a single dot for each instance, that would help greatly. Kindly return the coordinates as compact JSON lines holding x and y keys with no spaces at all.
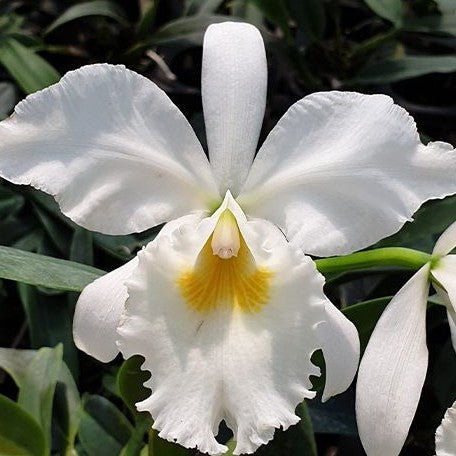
{"x":389,"y":256}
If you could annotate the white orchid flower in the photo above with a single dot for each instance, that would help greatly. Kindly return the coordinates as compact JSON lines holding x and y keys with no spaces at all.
{"x":393,"y":369}
{"x":223,"y":304}
{"x":445,"y":436}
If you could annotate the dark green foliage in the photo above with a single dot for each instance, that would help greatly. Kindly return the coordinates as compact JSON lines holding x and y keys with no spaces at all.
{"x":405,"y":49}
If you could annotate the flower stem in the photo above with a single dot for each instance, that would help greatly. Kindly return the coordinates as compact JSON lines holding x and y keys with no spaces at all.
{"x":389,"y":256}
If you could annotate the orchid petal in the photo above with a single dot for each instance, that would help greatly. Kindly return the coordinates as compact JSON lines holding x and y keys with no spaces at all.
{"x":102,"y":302}
{"x":249,"y":366}
{"x":111,"y":147}
{"x":451,"y":314}
{"x":392,"y":370}
{"x":97,"y":313}
{"x":342,"y":170}
{"x":233,"y":84}
{"x":445,"y":273}
{"x":340,"y":344}
{"x":445,"y":437}
{"x":446,"y":242}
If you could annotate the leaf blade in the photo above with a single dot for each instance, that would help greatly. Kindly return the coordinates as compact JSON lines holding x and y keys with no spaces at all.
{"x":28,"y":69}
{"x":14,"y":424}
{"x":41,"y":270}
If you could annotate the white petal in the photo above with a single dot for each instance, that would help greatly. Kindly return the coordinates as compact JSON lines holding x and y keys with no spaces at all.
{"x":445,"y":273}
{"x":340,"y":344}
{"x":250,"y":368}
{"x":451,"y":314}
{"x":102,"y":302}
{"x":393,"y":369}
{"x":445,"y":437}
{"x":342,"y":170}
{"x":116,"y":153}
{"x":446,"y":242}
{"x":233,"y":84}
{"x":97,"y":313}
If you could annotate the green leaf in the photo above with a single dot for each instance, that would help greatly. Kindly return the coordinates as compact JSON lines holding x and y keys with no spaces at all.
{"x":130,"y":382}
{"x":57,"y":233}
{"x":29,"y":70}
{"x":81,"y":249}
{"x":67,"y":405}
{"x":384,"y":71}
{"x":246,"y":10}
{"x":297,"y":440}
{"x":148,"y":15}
{"x":189,"y":30}
{"x":10,"y":202}
{"x":428,"y":223}
{"x":337,"y":416}
{"x":393,"y":10}
{"x":446,"y":6}
{"x":45,"y":271}
{"x":161,"y":447}
{"x":201,"y":7}
{"x":103,"y":430}
{"x":365,"y":316}
{"x":443,"y":23}
{"x":20,"y":434}
{"x":275,"y":11}
{"x":15,"y":362}
{"x":135,"y":445}
{"x":8,"y":98}
{"x":49,"y":318}
{"x":94,"y":8}
{"x":67,"y":410}
{"x":309,"y":16}
{"x":121,"y":247}
{"x":36,"y":394}
{"x":445,"y":385}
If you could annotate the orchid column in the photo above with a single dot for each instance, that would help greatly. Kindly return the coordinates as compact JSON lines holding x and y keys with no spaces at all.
{"x":224,"y":305}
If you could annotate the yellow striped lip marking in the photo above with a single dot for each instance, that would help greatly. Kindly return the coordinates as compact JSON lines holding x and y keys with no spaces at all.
{"x":225,"y":273}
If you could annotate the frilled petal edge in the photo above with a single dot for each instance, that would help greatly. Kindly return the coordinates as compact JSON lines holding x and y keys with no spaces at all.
{"x":342,"y":170}
{"x":244,"y":358}
{"x":111,"y":147}
{"x":445,"y":437}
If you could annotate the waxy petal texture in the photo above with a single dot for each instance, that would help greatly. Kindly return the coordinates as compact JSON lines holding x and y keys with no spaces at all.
{"x":249,"y":367}
{"x":340,"y":344}
{"x":111,"y":147}
{"x":393,"y":369}
{"x":445,"y":273}
{"x":102,"y":302}
{"x":446,"y":242}
{"x":97,"y":313}
{"x":445,"y":437}
{"x":342,"y":170}
{"x":233,"y":84}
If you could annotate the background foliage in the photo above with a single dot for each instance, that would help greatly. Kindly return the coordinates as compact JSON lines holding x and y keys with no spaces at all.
{"x":55,"y":400}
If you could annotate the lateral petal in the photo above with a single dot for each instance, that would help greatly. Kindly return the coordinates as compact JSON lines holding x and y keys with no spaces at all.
{"x":111,"y":147}
{"x":393,"y":369}
{"x":445,"y":436}
{"x":445,"y":273}
{"x":102,"y":302}
{"x":97,"y":313}
{"x":233,"y":84}
{"x":446,"y":242}
{"x":340,"y":344}
{"x":342,"y":170}
{"x":249,"y":365}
